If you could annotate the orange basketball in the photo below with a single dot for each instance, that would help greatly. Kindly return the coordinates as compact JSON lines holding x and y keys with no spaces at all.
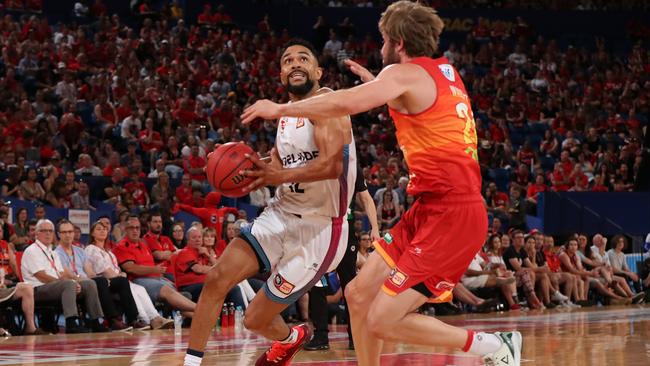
{"x":224,"y":165}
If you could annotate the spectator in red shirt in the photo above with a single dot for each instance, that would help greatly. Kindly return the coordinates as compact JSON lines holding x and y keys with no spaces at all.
{"x":161,"y":246}
{"x":192,"y":264}
{"x":559,"y":180}
{"x":194,"y":165}
{"x":113,"y":164}
{"x":210,"y":215}
{"x":137,"y":190}
{"x":184,"y":190}
{"x":534,"y":189}
{"x":205,"y":18}
{"x":135,"y":258}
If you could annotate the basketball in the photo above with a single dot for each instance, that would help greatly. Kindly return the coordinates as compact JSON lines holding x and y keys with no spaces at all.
{"x":224,"y":165}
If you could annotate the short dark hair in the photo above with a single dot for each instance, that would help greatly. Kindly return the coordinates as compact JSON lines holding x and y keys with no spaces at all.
{"x":63,"y":222}
{"x":154,"y":213}
{"x":300,"y":42}
{"x":133,"y":217}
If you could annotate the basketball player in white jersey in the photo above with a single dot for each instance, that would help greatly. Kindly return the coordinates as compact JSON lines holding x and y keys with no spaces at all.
{"x":302,"y":234}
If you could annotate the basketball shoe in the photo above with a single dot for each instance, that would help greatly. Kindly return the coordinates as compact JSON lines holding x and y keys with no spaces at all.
{"x":510,"y":352}
{"x":280,"y":353}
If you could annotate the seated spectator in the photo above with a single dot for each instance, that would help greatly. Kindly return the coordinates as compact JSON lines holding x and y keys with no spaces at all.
{"x":184,"y":191}
{"x":193,"y":263}
{"x":541,"y":273}
{"x":516,"y":259}
{"x":31,"y":189}
{"x":135,"y":258}
{"x":25,"y":293}
{"x":586,"y":279}
{"x":389,"y":212}
{"x":591,"y":258}
{"x":104,"y":263}
{"x":42,"y":268}
{"x":178,"y":235}
{"x":557,"y":276}
{"x":210,"y":242}
{"x":494,"y":253}
{"x":81,"y":199}
{"x":161,"y":246}
{"x":87,"y":167}
{"x":480,"y":274}
{"x":73,"y":259}
{"x":617,"y":261}
{"x":365,"y":248}
{"x":8,"y":268}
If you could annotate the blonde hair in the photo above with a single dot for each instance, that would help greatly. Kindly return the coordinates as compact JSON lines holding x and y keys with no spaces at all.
{"x":415,"y":24}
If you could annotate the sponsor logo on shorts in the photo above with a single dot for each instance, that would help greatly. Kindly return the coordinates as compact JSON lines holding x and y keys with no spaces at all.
{"x":283,"y":285}
{"x":388,"y":238}
{"x":445,"y":286}
{"x":397,"y":277}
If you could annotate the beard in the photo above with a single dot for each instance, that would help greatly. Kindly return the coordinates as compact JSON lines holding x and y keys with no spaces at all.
{"x":301,"y":89}
{"x":391,"y":58}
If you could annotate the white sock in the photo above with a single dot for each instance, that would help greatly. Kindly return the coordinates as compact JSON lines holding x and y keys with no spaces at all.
{"x":484,"y":343}
{"x":192,"y":360}
{"x":292,"y":338}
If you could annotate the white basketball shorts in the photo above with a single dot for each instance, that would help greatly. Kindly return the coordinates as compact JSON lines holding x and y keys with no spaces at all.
{"x":296,"y":249}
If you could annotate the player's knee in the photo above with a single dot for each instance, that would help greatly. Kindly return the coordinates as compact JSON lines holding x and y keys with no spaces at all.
{"x":254,"y":323}
{"x":355,"y":297}
{"x":218,"y":281}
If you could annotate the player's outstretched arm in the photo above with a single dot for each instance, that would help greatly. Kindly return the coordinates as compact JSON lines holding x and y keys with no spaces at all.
{"x":360,"y":71}
{"x":390,"y":84}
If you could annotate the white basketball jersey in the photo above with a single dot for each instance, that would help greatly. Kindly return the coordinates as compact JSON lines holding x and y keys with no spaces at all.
{"x":296,"y":147}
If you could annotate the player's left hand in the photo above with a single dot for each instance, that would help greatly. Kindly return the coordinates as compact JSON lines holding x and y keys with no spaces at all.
{"x":261,"y":109}
{"x":267,"y":173}
{"x":374,"y":235}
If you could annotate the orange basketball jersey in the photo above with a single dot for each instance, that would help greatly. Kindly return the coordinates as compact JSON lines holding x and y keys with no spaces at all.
{"x":439,"y":144}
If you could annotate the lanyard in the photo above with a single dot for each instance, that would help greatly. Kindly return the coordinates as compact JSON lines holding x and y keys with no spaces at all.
{"x":73,"y":260}
{"x":50,"y":259}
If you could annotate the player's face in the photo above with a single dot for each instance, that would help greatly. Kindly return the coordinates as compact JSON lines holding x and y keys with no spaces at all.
{"x":389,"y":53}
{"x":299,"y":70}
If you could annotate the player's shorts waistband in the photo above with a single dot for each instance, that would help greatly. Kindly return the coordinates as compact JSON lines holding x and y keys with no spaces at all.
{"x":450,"y":198}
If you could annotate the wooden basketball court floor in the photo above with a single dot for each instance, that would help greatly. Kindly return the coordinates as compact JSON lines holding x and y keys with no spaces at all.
{"x":594,"y":336}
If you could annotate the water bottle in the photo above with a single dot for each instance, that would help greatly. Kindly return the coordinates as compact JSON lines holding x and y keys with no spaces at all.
{"x":231,"y":314}
{"x":239,"y":319}
{"x":178,"y":323}
{"x":224,"y":316}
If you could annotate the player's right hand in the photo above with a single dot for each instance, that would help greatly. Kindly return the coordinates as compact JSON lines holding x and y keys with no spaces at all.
{"x":360,"y":71}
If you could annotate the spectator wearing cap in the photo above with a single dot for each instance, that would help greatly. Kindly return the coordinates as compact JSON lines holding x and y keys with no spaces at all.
{"x":135,"y":258}
{"x":42,"y":268}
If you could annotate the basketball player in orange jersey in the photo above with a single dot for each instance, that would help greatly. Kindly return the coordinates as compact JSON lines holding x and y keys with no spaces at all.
{"x":301,"y":234}
{"x":425,"y":254}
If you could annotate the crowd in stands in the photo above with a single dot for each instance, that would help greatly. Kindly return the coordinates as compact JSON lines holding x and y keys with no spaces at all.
{"x":143,"y":106}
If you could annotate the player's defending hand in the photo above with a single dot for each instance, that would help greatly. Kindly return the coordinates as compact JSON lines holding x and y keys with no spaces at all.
{"x":267,"y":173}
{"x":264,"y":109}
{"x":360,"y":71}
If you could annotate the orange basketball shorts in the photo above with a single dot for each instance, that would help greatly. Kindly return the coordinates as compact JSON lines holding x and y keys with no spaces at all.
{"x":432,"y":245}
